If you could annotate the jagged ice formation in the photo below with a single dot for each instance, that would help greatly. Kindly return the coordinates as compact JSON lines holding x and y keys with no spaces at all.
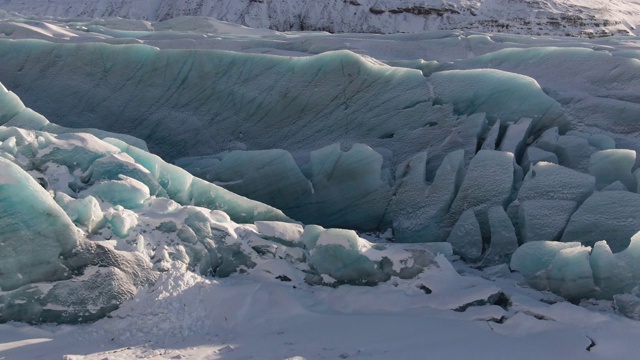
{"x":462,"y":144}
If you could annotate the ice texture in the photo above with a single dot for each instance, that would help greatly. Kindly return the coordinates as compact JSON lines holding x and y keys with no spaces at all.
{"x":609,"y":166}
{"x":533,"y":155}
{"x":353,"y":177}
{"x":609,"y":215}
{"x":488,"y":182}
{"x":466,"y":237}
{"x":544,"y":220}
{"x":35,"y":232}
{"x":516,"y":136}
{"x":503,"y":238}
{"x":576,"y":271}
{"x":348,"y":258}
{"x":419,"y":210}
{"x":548,"y":181}
{"x":269,"y":176}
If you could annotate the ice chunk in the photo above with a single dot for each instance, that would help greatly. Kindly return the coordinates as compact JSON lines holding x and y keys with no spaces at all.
{"x":601,"y":141}
{"x":491,"y":141}
{"x":75,"y":150}
{"x":311,"y":235}
{"x":572,"y":151}
{"x":630,"y":257}
{"x":348,"y":186}
{"x":484,"y":91}
{"x":609,"y":166}
{"x":569,"y":274}
{"x":34,"y":231}
{"x":610,"y":215}
{"x":84,"y":211}
{"x":9,"y":146}
{"x":127,"y":192}
{"x":419,"y":212}
{"x":10,"y":104}
{"x":112,"y":166}
{"x":121,"y":220}
{"x":488,"y":182}
{"x":285,"y":233}
{"x":610,"y":274}
{"x":547,"y":181}
{"x":347,"y":258}
{"x":503,"y":238}
{"x":464,"y":135}
{"x":338,"y":253}
{"x":85,"y":298}
{"x":105,"y":278}
{"x":533,"y":155}
{"x":466,"y":238}
{"x":533,"y":258}
{"x":408,"y":204}
{"x":616,"y":186}
{"x":516,"y":136}
{"x":544,"y":220}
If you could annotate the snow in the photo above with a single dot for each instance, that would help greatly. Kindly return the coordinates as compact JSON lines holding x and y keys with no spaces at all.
{"x":255,"y":315}
{"x":542,"y":17}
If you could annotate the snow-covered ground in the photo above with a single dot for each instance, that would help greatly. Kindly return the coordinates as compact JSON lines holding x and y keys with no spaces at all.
{"x":256,"y":316}
{"x":538,"y":17}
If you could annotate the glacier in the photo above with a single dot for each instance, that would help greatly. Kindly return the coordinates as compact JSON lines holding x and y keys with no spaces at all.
{"x":82,"y":230}
{"x":219,"y":150}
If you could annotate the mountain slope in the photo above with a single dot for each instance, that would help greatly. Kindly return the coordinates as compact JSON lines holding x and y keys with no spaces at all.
{"x":536,"y":17}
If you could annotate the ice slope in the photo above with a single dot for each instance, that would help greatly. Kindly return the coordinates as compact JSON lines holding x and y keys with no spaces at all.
{"x":540,"y":17}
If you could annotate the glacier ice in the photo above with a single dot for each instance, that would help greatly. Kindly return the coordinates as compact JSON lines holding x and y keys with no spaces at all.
{"x":347,"y":258}
{"x":541,"y":220}
{"x":610,"y":215}
{"x":479,"y":146}
{"x":270,"y":176}
{"x":488,"y":182}
{"x":576,"y":271}
{"x":609,"y":166}
{"x":503,"y":238}
{"x":466,"y":236}
{"x":36,"y":232}
{"x":61,"y":269}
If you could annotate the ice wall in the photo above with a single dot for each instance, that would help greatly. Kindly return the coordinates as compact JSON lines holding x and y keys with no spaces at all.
{"x":167,"y":97}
